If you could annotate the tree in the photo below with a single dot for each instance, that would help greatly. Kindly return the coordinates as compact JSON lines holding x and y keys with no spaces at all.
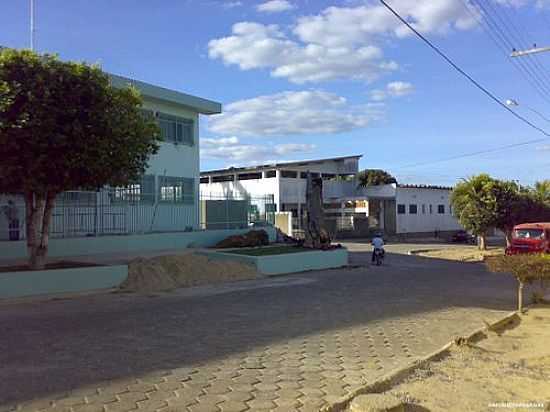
{"x":526,"y":268}
{"x":375,"y":177}
{"x":475,"y":204}
{"x":541,"y":191}
{"x":64,"y":127}
{"x":516,"y":204}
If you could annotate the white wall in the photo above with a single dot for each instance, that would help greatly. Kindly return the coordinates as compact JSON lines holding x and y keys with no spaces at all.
{"x":424,"y":222}
{"x":177,"y":160}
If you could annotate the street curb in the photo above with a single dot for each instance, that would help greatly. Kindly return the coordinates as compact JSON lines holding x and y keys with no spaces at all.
{"x":397,"y":376}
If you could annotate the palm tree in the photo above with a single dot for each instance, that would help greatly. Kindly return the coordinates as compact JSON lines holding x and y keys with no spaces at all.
{"x":541,"y":191}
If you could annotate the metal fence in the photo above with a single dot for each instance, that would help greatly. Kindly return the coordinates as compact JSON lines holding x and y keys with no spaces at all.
{"x":123,"y":212}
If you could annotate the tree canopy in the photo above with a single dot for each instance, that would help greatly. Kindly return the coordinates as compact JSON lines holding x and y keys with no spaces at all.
{"x":64,"y":127}
{"x":482,"y":203}
{"x":375,"y":177}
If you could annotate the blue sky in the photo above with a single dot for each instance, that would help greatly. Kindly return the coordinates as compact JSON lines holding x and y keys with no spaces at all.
{"x":306,"y":79}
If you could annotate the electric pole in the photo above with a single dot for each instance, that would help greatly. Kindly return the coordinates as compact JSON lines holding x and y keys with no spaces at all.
{"x":32,"y":25}
{"x":533,"y":50}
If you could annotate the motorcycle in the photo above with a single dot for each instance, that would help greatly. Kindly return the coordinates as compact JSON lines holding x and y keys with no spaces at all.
{"x":378,"y":256}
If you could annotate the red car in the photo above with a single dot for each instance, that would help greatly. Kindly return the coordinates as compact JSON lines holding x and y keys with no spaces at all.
{"x":530,"y":238}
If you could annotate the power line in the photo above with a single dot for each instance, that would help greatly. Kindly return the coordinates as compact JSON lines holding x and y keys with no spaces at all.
{"x":517,"y":36}
{"x":476,"y":153}
{"x":480,"y":87}
{"x":501,"y":40}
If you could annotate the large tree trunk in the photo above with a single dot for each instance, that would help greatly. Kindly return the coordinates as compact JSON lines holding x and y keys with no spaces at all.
{"x":38,"y":211}
{"x":482,"y":241}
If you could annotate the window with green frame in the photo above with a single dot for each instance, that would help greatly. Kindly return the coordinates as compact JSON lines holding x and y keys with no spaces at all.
{"x":176,"y":189}
{"x":142,"y":191}
{"x":178,"y":130}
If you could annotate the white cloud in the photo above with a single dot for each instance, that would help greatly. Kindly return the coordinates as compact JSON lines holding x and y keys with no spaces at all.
{"x":399,"y":88}
{"x":254,"y":45}
{"x":544,"y":148}
{"x":393,"y":89}
{"x":231,"y":4}
{"x":340,"y":42}
{"x":292,"y":113}
{"x":275,"y":6}
{"x":232,"y":150}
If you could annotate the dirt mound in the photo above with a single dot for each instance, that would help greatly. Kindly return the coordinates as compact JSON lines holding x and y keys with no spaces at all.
{"x":164,"y":273}
{"x":249,"y":239}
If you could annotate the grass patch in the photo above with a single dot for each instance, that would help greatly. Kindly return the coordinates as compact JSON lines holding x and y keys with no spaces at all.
{"x":269,"y":251}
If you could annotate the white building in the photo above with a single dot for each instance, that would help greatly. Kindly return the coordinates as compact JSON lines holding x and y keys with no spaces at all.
{"x":165,"y":200}
{"x":397,"y":209}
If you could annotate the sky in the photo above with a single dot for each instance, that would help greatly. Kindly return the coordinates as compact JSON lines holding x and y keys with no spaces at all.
{"x":307,"y":79}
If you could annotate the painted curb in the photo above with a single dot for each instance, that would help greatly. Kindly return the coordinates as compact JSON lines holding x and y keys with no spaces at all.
{"x":397,"y":376}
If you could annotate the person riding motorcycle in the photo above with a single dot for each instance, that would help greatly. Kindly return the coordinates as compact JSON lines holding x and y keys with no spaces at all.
{"x":378,"y":245}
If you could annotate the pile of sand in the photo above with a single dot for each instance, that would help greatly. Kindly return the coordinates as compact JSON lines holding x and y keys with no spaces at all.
{"x":164,"y":273}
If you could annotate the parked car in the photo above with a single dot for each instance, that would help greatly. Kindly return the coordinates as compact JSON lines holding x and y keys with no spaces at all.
{"x":463,"y":237}
{"x":530,"y":238}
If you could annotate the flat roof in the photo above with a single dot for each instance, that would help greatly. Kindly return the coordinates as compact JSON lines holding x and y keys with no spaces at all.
{"x":195,"y":103}
{"x":277,"y":165}
{"x":413,"y":186}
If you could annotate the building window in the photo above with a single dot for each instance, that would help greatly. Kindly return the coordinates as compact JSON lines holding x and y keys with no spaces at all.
{"x":142,"y":191}
{"x":176,"y":189}
{"x":423,"y":209}
{"x":205,"y":179}
{"x":175,"y":129}
{"x":249,"y":176}
{"x":223,"y":178}
{"x":290,"y":174}
{"x":400,"y":209}
{"x":450,"y":210}
{"x":413,"y":209}
{"x":431,"y":209}
{"x":441,"y":209}
{"x":270,"y":173}
{"x":327,"y":176}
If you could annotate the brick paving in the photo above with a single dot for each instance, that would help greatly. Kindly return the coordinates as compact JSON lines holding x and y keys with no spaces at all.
{"x":294,"y":343}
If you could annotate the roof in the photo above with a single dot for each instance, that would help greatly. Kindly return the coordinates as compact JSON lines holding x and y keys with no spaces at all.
{"x":277,"y":165}
{"x":195,"y":103}
{"x":538,"y":225}
{"x":412,"y":186}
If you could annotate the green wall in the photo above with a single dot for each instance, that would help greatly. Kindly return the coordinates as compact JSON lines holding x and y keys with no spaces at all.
{"x":132,"y":243}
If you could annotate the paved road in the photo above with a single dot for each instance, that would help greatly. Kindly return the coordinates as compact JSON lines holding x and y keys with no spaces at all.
{"x":290,"y":343}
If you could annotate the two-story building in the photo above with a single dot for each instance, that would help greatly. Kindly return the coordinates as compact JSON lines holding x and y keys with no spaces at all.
{"x":165,"y":200}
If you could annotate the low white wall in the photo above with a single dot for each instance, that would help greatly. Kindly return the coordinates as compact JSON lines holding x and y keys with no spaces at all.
{"x":132,"y":243}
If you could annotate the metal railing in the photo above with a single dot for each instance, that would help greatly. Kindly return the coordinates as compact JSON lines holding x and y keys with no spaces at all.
{"x":112,"y":212}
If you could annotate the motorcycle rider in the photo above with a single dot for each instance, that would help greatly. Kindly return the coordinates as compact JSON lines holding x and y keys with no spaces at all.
{"x":378,"y":244}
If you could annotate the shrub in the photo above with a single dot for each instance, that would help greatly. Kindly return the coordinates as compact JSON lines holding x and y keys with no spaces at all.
{"x":526,"y":268}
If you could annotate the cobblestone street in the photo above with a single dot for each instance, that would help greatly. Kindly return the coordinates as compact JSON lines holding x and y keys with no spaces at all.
{"x":290,"y":343}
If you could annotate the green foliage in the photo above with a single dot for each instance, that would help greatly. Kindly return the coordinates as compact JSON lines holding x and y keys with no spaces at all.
{"x":475,"y":203}
{"x":63,"y":127}
{"x":375,"y":177}
{"x":482,"y":202}
{"x":526,"y":268}
{"x":541,"y":192}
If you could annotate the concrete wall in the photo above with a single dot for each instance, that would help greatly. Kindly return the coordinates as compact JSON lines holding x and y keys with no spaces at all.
{"x":60,"y":248}
{"x":19,"y":284}
{"x":290,"y":262}
{"x":283,"y":221}
{"x":424,"y":221}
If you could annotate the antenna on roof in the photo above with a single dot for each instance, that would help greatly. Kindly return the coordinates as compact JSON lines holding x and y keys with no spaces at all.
{"x":32,"y":25}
